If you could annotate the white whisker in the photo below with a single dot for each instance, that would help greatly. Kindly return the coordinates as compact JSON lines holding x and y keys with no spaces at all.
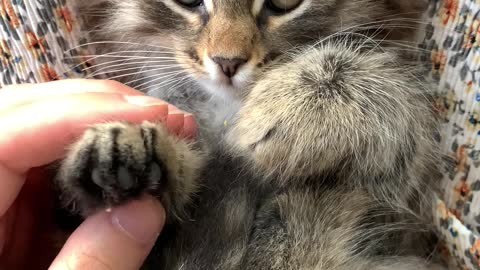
{"x":119,"y":42}
{"x":137,"y":70}
{"x":164,"y":83}
{"x":112,"y":69}
{"x":156,"y":77}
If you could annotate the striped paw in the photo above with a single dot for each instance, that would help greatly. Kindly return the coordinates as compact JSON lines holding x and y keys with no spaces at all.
{"x":111,"y":164}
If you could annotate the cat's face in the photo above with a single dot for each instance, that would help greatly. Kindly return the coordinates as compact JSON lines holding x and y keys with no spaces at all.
{"x":229,"y":41}
{"x":225,"y":44}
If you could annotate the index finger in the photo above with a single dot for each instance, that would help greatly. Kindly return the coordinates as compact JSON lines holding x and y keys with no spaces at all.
{"x":21,"y":94}
{"x":39,"y":133}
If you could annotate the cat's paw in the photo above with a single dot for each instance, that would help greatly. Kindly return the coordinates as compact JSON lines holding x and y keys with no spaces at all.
{"x":113,"y":163}
{"x":333,"y":105}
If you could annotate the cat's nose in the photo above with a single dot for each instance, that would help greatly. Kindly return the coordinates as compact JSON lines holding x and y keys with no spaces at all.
{"x":229,"y":66}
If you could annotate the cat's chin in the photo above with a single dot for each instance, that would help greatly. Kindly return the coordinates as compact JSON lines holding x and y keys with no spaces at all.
{"x":232,"y":89}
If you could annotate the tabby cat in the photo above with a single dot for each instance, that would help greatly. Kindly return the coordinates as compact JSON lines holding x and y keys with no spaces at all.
{"x":316,"y":141}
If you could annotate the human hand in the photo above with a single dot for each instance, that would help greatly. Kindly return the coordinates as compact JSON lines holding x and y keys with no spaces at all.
{"x":37,"y":123}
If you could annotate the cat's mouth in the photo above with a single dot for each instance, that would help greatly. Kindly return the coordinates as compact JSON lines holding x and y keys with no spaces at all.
{"x":228,"y":90}
{"x":235,"y":86}
{"x":234,"y":75}
{"x":229,"y":73}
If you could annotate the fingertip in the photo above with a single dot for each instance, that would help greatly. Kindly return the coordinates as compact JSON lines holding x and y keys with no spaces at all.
{"x":181,"y":123}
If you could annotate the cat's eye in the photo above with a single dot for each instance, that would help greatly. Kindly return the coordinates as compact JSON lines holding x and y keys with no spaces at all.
{"x":282,"y":6}
{"x":190,"y":3}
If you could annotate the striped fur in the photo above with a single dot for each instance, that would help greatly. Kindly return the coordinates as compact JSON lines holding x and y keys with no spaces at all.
{"x":316,"y":147}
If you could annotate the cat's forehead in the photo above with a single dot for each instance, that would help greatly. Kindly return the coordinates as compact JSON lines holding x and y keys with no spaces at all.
{"x":250,"y":6}
{"x":242,"y":7}
{"x":229,"y":6}
{"x":230,"y":3}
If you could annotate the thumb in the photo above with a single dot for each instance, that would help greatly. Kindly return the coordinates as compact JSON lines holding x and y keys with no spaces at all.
{"x":120,"y":239}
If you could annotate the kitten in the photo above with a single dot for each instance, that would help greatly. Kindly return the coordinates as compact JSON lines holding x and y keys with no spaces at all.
{"x":316,"y":134}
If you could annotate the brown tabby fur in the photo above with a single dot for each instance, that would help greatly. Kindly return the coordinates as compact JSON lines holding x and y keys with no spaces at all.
{"x":317,"y":154}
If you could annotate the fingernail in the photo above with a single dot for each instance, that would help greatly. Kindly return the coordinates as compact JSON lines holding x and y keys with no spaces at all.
{"x":144,"y":101}
{"x":142,"y":220}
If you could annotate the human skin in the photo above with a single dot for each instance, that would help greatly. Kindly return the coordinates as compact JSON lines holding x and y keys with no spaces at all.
{"x":38,"y":122}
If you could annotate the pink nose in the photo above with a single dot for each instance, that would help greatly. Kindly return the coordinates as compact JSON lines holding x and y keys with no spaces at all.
{"x":229,"y":66}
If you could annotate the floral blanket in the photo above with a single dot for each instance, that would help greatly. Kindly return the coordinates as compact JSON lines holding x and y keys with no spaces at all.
{"x":41,"y":40}
{"x":452,"y":54}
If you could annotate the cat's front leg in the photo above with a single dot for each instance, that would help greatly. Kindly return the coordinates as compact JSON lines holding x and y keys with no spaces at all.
{"x":115,"y":162}
{"x":358,"y":115}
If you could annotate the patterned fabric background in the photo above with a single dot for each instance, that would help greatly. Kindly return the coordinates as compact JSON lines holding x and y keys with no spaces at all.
{"x":39,"y":41}
{"x":453,"y":56}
